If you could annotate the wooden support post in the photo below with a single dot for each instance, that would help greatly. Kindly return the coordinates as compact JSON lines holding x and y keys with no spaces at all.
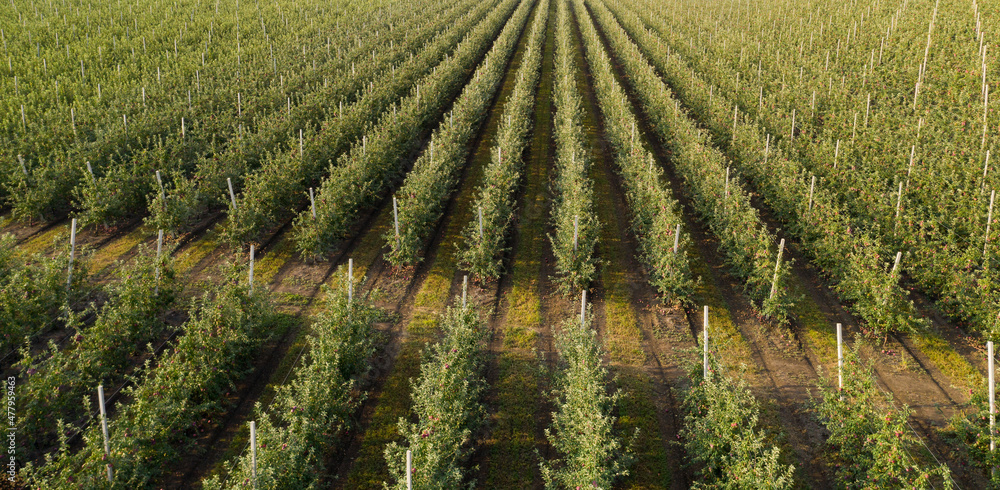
{"x":232,"y":195}
{"x":777,"y":268}
{"x":840,"y":359}
{"x":812,"y":187}
{"x":899,"y":203}
{"x":576,"y":232}
{"x":992,"y":390}
{"x":312,"y":202}
{"x":989,"y":218}
{"x":72,"y":252}
{"x":677,"y":237}
{"x":159,"y":250}
{"x":704,"y":344}
{"x":253,"y":452}
{"x":250,"y":277}
{"x":104,"y":431}
{"x":395,"y":218}
{"x":409,"y":467}
{"x":583,"y":307}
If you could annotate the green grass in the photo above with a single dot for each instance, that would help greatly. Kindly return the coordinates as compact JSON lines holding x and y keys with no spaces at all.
{"x":947,"y":360}
{"x":267,"y":266}
{"x":512,"y":441}
{"x":636,"y":411}
{"x":107,"y":255}
{"x":199,"y":249}
{"x":45,"y":241}
{"x":369,"y":469}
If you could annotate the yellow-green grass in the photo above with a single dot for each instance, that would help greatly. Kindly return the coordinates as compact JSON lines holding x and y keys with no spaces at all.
{"x":265,"y":268}
{"x":636,"y":411}
{"x":110,"y":253}
{"x":369,"y":469}
{"x":952,"y":364}
{"x":44,"y":241}
{"x":818,"y":333}
{"x":513,"y":437}
{"x":365,"y":253}
{"x":199,"y":249}
{"x":512,"y":440}
{"x":724,"y":335}
{"x":623,"y":339}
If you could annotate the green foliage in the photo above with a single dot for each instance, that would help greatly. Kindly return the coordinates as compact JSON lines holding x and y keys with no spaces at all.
{"x":310,"y":414}
{"x":174,"y":401}
{"x":54,"y":380}
{"x":970,"y":430}
{"x":425,"y":191}
{"x":277,"y":189}
{"x":446,"y":402}
{"x":582,"y":431}
{"x":33,"y":290}
{"x":724,"y":439}
{"x":481,"y":252}
{"x":654,"y":212}
{"x":573,"y":214}
{"x":870,"y":439}
{"x":360,"y":176}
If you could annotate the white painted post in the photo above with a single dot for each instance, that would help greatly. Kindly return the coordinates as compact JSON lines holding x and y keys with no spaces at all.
{"x":159,"y":249}
{"x":812,"y":186}
{"x":395,"y":217}
{"x":899,"y":203}
{"x":409,"y":460}
{"x":895,"y":266}
{"x":72,"y":118}
{"x":183,"y":133}
{"x":767,"y":147}
{"x":840,"y":359}
{"x":104,"y":430}
{"x":89,"y":169}
{"x":251,"y":267}
{"x":777,"y":267}
{"x":253,"y":451}
{"x":576,"y":231}
{"x":725,"y":188}
{"x":465,"y":290}
{"x":24,"y":170}
{"x":583,"y":307}
{"x":232,"y":195}
{"x":480,"y":222}
{"x":72,"y":252}
{"x":836,"y":154}
{"x":159,"y":180}
{"x":239,"y":105}
{"x":704,"y":344}
{"x":125,"y":123}
{"x":350,"y":281}
{"x":791,"y":136}
{"x":989,"y":218}
{"x":677,"y":237}
{"x":989,"y":354}
{"x":312,"y":202}
{"x":913,"y":155}
{"x":986,"y":166}
{"x":868,"y":108}
{"x":301,"y":144}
